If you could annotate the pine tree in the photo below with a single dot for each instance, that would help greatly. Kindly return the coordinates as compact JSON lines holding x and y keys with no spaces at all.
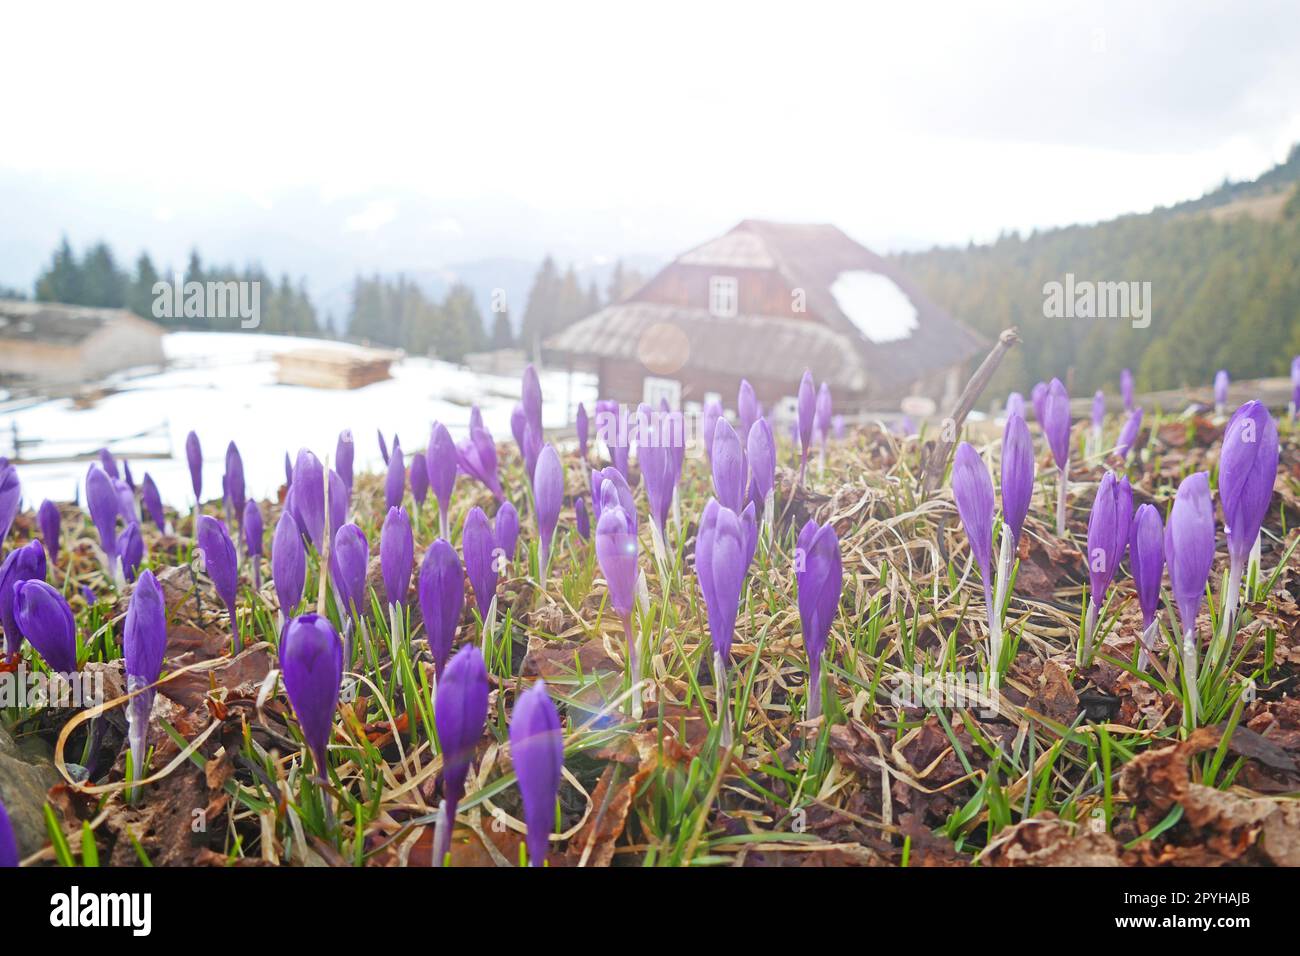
{"x":503,"y":334}
{"x":140,"y":295}
{"x":539,"y":313}
{"x":61,"y":281}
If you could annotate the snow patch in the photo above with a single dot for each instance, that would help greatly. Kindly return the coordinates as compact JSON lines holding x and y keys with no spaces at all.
{"x":879,"y":308}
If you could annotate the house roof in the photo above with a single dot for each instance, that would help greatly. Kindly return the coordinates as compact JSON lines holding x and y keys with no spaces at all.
{"x":818,"y":259}
{"x":665,"y":338}
{"x":56,"y":324}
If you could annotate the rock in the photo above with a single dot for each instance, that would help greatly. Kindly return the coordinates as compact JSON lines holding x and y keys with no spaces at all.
{"x":26,"y":775}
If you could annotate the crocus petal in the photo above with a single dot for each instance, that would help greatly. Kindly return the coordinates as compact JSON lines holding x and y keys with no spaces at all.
{"x":311,"y":662}
{"x":288,"y":564}
{"x":1147,"y":559}
{"x":807,"y":405}
{"x":1189,"y":545}
{"x":395,"y":484}
{"x":460,"y":714}
{"x":506,"y":530}
{"x":441,"y":589}
{"x":1017,"y":473}
{"x":478,"y":546}
{"x":45,"y":619}
{"x":548,"y":495}
{"x":21,"y":564}
{"x":972,"y":488}
{"x":349,"y":560}
{"x":219,"y":559}
{"x":616,"y":552}
{"x":49,"y":519}
{"x":537,"y":751}
{"x":441,"y":462}
{"x":1247,"y":470}
{"x":344,"y":455}
{"x":396,"y":553}
{"x":419,"y":479}
{"x":11,"y":493}
{"x":1056,"y":422}
{"x":728,"y":466}
{"x":194,"y":457}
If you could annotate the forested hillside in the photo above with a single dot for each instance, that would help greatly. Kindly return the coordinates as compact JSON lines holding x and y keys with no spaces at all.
{"x":1224,"y":294}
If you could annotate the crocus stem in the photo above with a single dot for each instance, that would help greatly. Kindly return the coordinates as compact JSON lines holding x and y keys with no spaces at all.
{"x":661,"y":556}
{"x":814,"y":687}
{"x":1062,"y":488}
{"x":442,"y":831}
{"x":633,"y":666}
{"x":442,"y":521}
{"x":1089,"y":629}
{"x":1005,"y":552}
{"x":724,"y":709}
{"x":1147,"y":644}
{"x":394,"y":638}
{"x":803,"y":466}
{"x":1192,"y":691}
{"x":1235,"y":569}
{"x":1252,"y":566}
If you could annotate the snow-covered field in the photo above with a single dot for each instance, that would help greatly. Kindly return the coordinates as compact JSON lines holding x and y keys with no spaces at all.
{"x":222,"y":385}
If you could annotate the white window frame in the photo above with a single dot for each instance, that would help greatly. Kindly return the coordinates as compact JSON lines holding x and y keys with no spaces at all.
{"x":654,"y":389}
{"x":724,"y":296}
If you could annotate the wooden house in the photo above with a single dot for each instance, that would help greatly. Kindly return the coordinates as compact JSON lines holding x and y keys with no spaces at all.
{"x":43,"y":343}
{"x":765,"y":301}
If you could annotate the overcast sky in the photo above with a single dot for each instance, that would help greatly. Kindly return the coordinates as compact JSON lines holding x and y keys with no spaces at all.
{"x":652,"y":125}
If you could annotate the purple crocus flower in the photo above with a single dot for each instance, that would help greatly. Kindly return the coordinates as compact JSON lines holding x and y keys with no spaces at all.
{"x":153,"y":502}
{"x":104,"y":505}
{"x":584,"y":428}
{"x":822,"y":413}
{"x":1017,"y":475}
{"x":1189,"y":555}
{"x":617,"y":492}
{"x":8,"y":843}
{"x":130,"y":550}
{"x":537,"y":751}
{"x":396,"y":554}
{"x":349,"y":559}
{"x":233,"y":482}
{"x":127,"y":476}
{"x":338,"y":503}
{"x":311,"y":662}
{"x":419,"y":479}
{"x":712,"y":412}
{"x":518,"y":425}
{"x":11,"y":493}
{"x":477,"y":457}
{"x":728,"y":467}
{"x":194,"y":456}
{"x":720,"y":548}
{"x":144,"y":642}
{"x":308,"y":491}
{"x":383,"y":446}
{"x":125,"y":502}
{"x":747,"y":410}
{"x":1038,"y":398}
{"x":1129,"y":433}
{"x":1109,"y":524}
{"x":478,"y":546}
{"x":1126,"y":388}
{"x":1247,"y":470}
{"x":1098,"y":408}
{"x":288,"y":565}
{"x":660,"y":467}
{"x":581,"y":518}
{"x":49,"y":519}
{"x":1146,"y":559}
{"x":252,"y":526}
{"x":395,"y":484}
{"x":1015,"y":405}
{"x":22,"y":564}
{"x":548,"y":495}
{"x":506,"y":531}
{"x":972,"y":489}
{"x":220,"y":562}
{"x":109,"y":463}
{"x":288,"y":471}
{"x":441,"y":464}
{"x":807,"y":410}
{"x":1056,"y":425}
{"x":460,"y":713}
{"x":1221,"y":382}
{"x":441,"y":590}
{"x":531,"y":397}
{"x":762,"y":464}
{"x":45,"y":619}
{"x":344,"y":455}
{"x":820,"y":582}
{"x":616,"y":553}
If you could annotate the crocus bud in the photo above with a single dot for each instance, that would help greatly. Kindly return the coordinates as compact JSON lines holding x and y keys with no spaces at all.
{"x":460,"y":713}
{"x":1189,"y":546}
{"x":8,"y":843}
{"x":344,"y":456}
{"x":822,"y":412}
{"x":584,"y":428}
{"x":537,"y":751}
{"x":660,"y":466}
{"x":616,"y":552}
{"x":1098,"y":408}
{"x":309,"y":496}
{"x":1015,"y":405}
{"x":1126,"y":388}
{"x":712,"y":412}
{"x":311,"y":660}
{"x":728,"y":466}
{"x":761,"y":447}
{"x":1247,"y":471}
{"x":548,"y":495}
{"x":396,"y":553}
{"x":746,"y":407}
{"x":608,"y":486}
{"x":46,"y":621}
{"x":506,"y":531}
{"x":478,"y":545}
{"x":1129,"y":433}
{"x":49,"y":520}
{"x":1221,"y":382}
{"x":1038,"y":398}
{"x":219,"y":561}
{"x":144,"y":642}
{"x":349,"y":559}
{"x":441,"y":461}
{"x":475,"y":418}
{"x":194,"y":456}
{"x":383,"y":446}
{"x":288,"y":564}
{"x":531,"y":397}
{"x":819,"y":578}
{"x":1147,"y":560}
{"x":153,"y":502}
{"x":972,"y":488}
{"x":720,"y":564}
{"x":1017,"y":474}
{"x":11,"y":494}
{"x":1108,"y":533}
{"x":395,"y":484}
{"x":441,"y":590}
{"x":109,"y":463}
{"x":252,"y":526}
{"x":807,"y":410}
{"x":125,"y":502}
{"x":130,"y":550}
{"x":582,"y":518}
{"x":419,"y":479}
{"x":477,"y":457}
{"x":102,"y":500}
{"x":1056,"y":422}
{"x":21,"y":564}
{"x":234,"y":481}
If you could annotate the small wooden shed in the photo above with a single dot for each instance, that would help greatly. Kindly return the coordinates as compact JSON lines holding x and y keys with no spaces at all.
{"x":51,"y":343}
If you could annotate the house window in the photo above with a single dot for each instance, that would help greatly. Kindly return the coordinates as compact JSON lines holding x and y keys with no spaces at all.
{"x":655,"y":390}
{"x":724,"y":296}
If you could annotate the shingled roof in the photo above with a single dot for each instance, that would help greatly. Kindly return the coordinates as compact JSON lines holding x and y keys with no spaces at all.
{"x":807,"y":257}
{"x":54,"y":323}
